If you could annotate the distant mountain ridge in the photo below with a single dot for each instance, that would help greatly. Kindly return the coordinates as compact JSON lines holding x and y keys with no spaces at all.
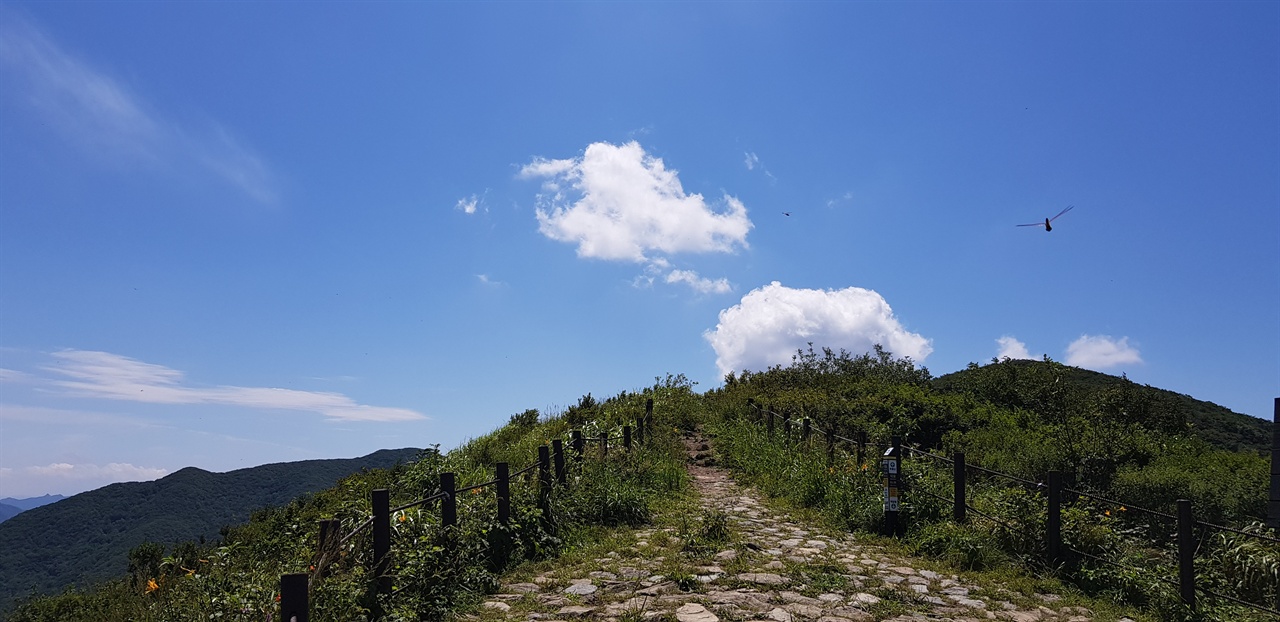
{"x":87,"y":537}
{"x":31,"y":502}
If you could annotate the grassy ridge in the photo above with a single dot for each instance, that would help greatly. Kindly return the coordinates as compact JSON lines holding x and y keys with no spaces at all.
{"x":434,"y":570}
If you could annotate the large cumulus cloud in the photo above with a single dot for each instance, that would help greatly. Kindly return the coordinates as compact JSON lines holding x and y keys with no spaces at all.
{"x":772,"y":322}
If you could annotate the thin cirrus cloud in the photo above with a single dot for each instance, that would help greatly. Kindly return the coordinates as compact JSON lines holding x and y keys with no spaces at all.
{"x":100,"y":115}
{"x":1102,"y":352}
{"x":104,"y":375}
{"x":771,"y":323}
{"x":618,"y":203}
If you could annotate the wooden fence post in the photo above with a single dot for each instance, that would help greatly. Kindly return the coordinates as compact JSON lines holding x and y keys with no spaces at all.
{"x":1273,"y":510}
{"x":577,"y":442}
{"x":648,"y":412}
{"x":557,"y":456}
{"x":544,"y":482}
{"x":449,"y":504}
{"x":769,"y":426}
{"x":786,"y":426}
{"x":958,"y":513}
{"x":329,"y":538}
{"x":604,"y":444}
{"x":862,"y":445}
{"x":804,"y":434}
{"x":293,"y":598}
{"x":626,"y":438}
{"x":639,"y":430}
{"x":1053,"y":522}
{"x":504,"y":492}
{"x":381,"y":500}
{"x":1186,"y":554}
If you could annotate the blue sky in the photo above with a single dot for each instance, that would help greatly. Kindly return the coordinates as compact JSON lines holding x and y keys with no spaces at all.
{"x":241,"y":233}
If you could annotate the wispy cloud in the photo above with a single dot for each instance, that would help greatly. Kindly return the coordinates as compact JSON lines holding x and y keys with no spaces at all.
{"x":752,"y":162}
{"x":698,"y":283}
{"x":772,"y":322}
{"x":1102,"y":352}
{"x":96,"y":112}
{"x":104,"y":375}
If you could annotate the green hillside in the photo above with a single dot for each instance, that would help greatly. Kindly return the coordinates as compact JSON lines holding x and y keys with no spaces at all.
{"x":1215,"y":424}
{"x":87,"y":537}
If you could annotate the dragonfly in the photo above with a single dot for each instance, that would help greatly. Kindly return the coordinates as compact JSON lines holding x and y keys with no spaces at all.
{"x":1047,"y":224}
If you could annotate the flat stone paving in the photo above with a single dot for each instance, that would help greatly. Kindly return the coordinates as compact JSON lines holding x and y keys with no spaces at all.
{"x":763,"y":587}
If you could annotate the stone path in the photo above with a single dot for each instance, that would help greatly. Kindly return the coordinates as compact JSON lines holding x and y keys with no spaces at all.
{"x":774,"y":570}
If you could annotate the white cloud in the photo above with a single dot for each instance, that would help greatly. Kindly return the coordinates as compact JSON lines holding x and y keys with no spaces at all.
{"x":64,"y":478}
{"x":468,"y":204}
{"x":111,"y":376}
{"x":753,"y":161}
{"x":698,"y":283}
{"x":772,"y":322}
{"x":1101,"y":352}
{"x":1012,"y":348}
{"x":625,"y":205}
{"x":102,"y":116}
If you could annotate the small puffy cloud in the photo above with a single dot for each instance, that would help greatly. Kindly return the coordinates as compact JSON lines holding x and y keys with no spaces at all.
{"x":468,"y":204}
{"x":1012,"y":349}
{"x":618,"y":203}
{"x":752,"y":161}
{"x":110,"y":376}
{"x":1101,"y":352}
{"x":698,"y":283}
{"x":772,"y":322}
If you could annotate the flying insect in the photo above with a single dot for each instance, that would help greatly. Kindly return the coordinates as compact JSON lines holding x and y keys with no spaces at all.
{"x":1048,"y":222}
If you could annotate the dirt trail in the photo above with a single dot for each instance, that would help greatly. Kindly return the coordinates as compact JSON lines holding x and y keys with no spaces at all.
{"x":777,"y":570}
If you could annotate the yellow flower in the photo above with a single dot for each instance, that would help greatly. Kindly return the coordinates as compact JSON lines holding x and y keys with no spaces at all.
{"x":1108,"y":513}
{"x":152,"y":585}
{"x":1123,"y":509}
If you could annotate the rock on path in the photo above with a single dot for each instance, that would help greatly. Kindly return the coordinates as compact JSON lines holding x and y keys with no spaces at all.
{"x":779,"y":570}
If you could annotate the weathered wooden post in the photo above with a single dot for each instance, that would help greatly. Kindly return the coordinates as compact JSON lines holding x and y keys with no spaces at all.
{"x":544,"y":482}
{"x":327,"y":547}
{"x":1186,"y":554}
{"x":639,"y":430}
{"x":504,"y":492}
{"x":804,"y":433}
{"x":648,"y":412}
{"x":577,"y":442}
{"x":862,"y":445}
{"x":751,"y":407}
{"x":1053,"y":522}
{"x":557,"y":457}
{"x":381,"y":501}
{"x":769,"y":425}
{"x":786,"y":426}
{"x":293,"y":597}
{"x":604,"y":444}
{"x":449,"y":504}
{"x":626,"y":438}
{"x":1273,"y":510}
{"x":957,"y":461}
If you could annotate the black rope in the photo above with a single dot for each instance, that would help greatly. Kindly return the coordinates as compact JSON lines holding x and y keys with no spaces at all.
{"x":939,"y":497}
{"x":1243,"y":533}
{"x":934,"y":456}
{"x":438,"y":495}
{"x":367,"y":522}
{"x":1119,"y":503}
{"x":1238,"y":601}
{"x":525,"y":470}
{"x":475,"y":486}
{"x":1004,"y":475}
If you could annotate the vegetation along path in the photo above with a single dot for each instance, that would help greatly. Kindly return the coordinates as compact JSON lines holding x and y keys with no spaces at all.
{"x":741,"y":561}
